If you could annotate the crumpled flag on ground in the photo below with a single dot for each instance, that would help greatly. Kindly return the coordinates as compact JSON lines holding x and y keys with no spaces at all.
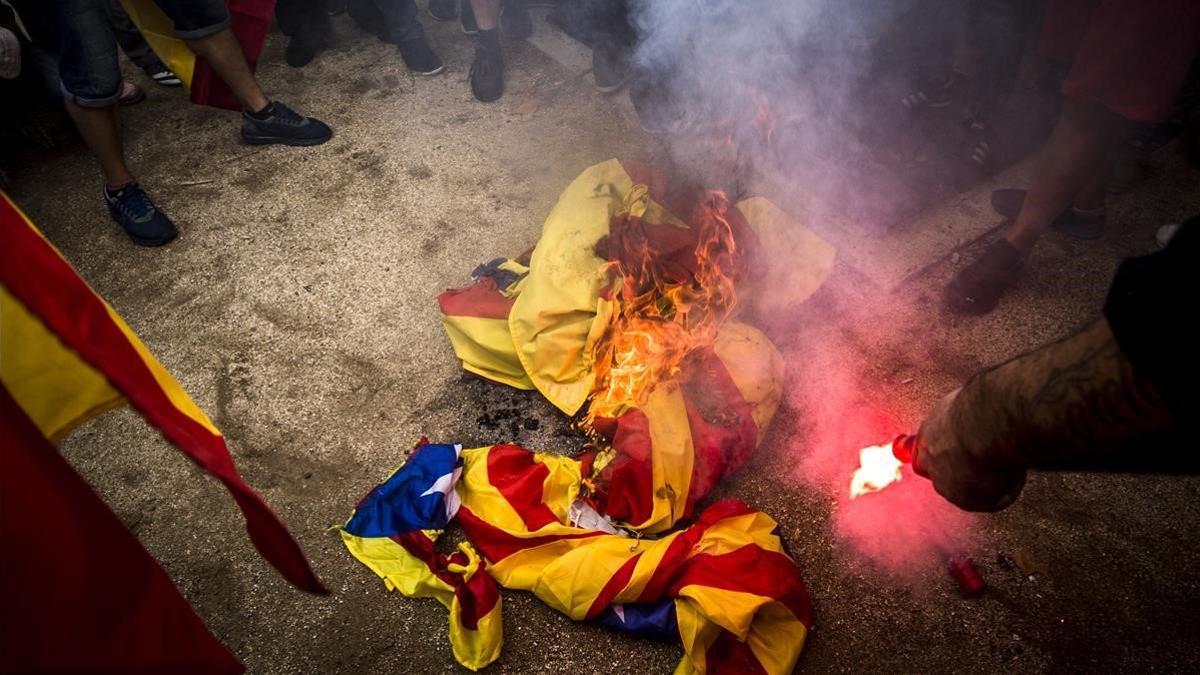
{"x":538,"y":329}
{"x":723,"y":587}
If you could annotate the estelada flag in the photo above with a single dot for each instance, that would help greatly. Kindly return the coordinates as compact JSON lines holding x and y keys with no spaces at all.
{"x":249,"y":20}
{"x":80,"y":593}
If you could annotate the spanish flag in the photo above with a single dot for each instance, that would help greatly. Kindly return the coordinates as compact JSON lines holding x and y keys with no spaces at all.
{"x":80,"y":593}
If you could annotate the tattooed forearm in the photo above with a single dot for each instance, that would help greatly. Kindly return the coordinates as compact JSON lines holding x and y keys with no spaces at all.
{"x":1069,"y":403}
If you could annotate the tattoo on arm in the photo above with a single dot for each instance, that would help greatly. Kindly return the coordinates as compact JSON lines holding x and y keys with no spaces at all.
{"x":1075,"y":400}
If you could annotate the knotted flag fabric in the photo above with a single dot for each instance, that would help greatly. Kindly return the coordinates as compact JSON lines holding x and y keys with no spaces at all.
{"x":65,"y":356}
{"x":594,"y":536}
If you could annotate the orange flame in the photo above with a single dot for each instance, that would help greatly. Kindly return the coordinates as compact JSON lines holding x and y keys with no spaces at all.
{"x":661,"y":317}
{"x":878,"y":468}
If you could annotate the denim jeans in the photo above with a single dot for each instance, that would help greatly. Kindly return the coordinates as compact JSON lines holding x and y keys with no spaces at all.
{"x":79,"y":33}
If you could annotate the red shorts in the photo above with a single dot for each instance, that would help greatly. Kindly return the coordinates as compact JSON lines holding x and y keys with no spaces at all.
{"x":1130,"y":56}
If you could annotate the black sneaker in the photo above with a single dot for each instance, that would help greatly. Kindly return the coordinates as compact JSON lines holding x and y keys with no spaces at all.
{"x":487,"y":75}
{"x":610,"y":67}
{"x":515,"y":23}
{"x":163,"y":75}
{"x":139,"y":217}
{"x":420,"y":57}
{"x":278,"y":123}
{"x":443,"y":10}
{"x":466,"y":15}
{"x":977,"y":288}
{"x":1086,"y":226}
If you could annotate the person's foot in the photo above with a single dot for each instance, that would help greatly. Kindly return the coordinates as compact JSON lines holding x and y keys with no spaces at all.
{"x":443,"y":10}
{"x":420,"y":57}
{"x":515,"y":23}
{"x":163,"y":75}
{"x":977,"y":288}
{"x":487,"y":74}
{"x":1075,"y":223}
{"x":466,"y":15}
{"x":133,"y":210}
{"x":610,"y":67}
{"x":278,"y":123}
{"x":310,"y":38}
{"x":130,"y":93}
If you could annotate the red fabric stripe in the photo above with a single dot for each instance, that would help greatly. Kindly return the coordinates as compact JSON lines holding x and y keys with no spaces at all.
{"x":727,"y":654}
{"x":679,"y":549}
{"x":496,"y":544}
{"x":80,"y":594}
{"x":49,"y":288}
{"x":615,"y":585}
{"x":724,"y":434}
{"x":749,"y":569}
{"x":249,"y":20}
{"x":627,"y":482}
{"x":518,"y":476}
{"x":476,"y":596}
{"x":480,"y":300}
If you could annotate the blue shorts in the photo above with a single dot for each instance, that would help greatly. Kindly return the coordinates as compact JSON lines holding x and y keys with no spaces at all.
{"x":81,"y":35}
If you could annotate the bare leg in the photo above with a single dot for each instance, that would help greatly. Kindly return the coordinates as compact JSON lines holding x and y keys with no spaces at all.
{"x":101,"y":130}
{"x":1066,"y":166}
{"x":225,"y":56}
{"x":487,"y":13}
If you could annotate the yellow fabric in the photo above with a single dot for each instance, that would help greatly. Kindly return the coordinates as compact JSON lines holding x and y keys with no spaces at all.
{"x":485,"y":348}
{"x":55,"y":388}
{"x":795,"y":261}
{"x":756,"y":368}
{"x":159,"y":32}
{"x":553,"y":317}
{"x":403,"y":572}
{"x":55,"y":404}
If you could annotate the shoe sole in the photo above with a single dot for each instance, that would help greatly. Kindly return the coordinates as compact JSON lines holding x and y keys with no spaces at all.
{"x":435,"y":17}
{"x":430,"y":73}
{"x":610,"y":88}
{"x":279,"y":140}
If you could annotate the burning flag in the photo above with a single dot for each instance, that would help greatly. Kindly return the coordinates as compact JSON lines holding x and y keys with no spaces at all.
{"x":626,"y":306}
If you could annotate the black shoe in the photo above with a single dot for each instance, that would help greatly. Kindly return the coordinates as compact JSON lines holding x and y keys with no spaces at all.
{"x":978,"y":287}
{"x":487,"y":75}
{"x":466,"y":15}
{"x":278,"y":123}
{"x":302,"y":47}
{"x":1007,"y":202}
{"x":610,"y":67}
{"x":443,"y":10}
{"x":515,"y":23}
{"x":163,"y":75}
{"x":139,"y":217}
{"x":420,"y":57}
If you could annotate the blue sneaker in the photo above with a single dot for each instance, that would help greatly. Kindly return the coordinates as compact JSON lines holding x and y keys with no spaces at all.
{"x":278,"y":123}
{"x":143,"y":222}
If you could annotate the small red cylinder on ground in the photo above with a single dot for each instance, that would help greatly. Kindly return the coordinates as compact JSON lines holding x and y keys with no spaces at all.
{"x":970,"y":583}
